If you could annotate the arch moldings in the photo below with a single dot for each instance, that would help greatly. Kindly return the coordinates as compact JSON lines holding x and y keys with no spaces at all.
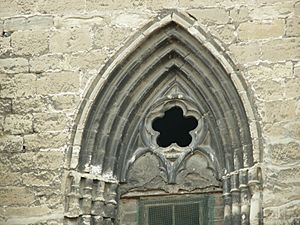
{"x":106,"y":136}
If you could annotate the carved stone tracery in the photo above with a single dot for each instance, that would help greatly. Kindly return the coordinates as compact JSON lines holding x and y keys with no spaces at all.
{"x":171,"y":66}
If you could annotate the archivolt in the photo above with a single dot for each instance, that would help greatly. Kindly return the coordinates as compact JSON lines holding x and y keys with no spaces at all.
{"x":173,"y":51}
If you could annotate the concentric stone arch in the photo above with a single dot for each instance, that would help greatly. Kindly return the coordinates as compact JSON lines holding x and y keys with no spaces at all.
{"x":108,"y":122}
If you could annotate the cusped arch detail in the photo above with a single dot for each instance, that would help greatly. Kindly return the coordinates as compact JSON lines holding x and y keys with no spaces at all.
{"x":170,"y":62}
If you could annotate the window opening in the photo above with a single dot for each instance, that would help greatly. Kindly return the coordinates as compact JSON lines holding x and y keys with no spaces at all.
{"x":174,"y":127}
{"x":187,"y":211}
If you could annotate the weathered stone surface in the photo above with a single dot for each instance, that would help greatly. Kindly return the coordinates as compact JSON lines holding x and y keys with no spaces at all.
{"x":91,"y":60}
{"x":11,"y":143}
{"x":14,"y":65}
{"x":73,"y":40}
{"x":5,"y":106}
{"x":61,"y":7}
{"x":28,"y":23}
{"x":281,"y":49}
{"x":16,"y":196}
{"x":240,"y":14}
{"x":93,"y":5}
{"x":293,"y":130}
{"x":29,"y":42}
{"x":27,"y":211}
{"x":224,"y":33}
{"x":31,"y":104}
{"x":18,"y":124}
{"x":19,"y":85}
{"x":272,"y":11}
{"x":268,"y":90}
{"x":109,"y":37}
{"x":32,"y":161}
{"x":129,"y":20}
{"x":45,"y":140}
{"x":9,"y":178}
{"x":55,"y":83}
{"x":49,"y":122}
{"x":65,"y":102}
{"x":293,"y":24}
{"x":270,"y":72}
{"x":259,"y":30}
{"x":285,"y":153}
{"x":245,"y":53}
{"x":45,"y":63}
{"x":15,"y":7}
{"x":211,"y":15}
{"x":292,"y":89}
{"x":82,"y":21}
{"x":5,"y":47}
{"x":41,"y":178}
{"x":278,"y":111}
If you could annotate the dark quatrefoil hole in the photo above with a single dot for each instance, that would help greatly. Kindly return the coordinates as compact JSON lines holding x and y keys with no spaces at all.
{"x":174,"y":127}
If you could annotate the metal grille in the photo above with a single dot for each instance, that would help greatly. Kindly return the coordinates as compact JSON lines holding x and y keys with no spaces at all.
{"x":160,"y":215}
{"x":187,"y":211}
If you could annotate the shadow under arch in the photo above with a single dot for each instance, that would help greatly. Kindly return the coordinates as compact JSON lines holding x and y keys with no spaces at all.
{"x":171,"y":60}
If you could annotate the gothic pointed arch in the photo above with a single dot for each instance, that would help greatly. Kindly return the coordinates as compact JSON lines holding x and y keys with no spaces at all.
{"x":170,"y":64}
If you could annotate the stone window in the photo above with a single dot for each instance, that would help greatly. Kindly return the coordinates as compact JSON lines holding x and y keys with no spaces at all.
{"x":163,"y":121}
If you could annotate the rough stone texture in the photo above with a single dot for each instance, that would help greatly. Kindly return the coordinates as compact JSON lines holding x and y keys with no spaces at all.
{"x":255,"y":30}
{"x":29,"y":42}
{"x":72,"y":40}
{"x":212,"y":15}
{"x":50,"y":52}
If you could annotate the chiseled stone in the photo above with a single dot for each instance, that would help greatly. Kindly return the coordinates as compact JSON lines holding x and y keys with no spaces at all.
{"x":48,"y":62}
{"x":285,"y":153}
{"x":240,"y":14}
{"x":5,"y":106}
{"x":270,"y":72}
{"x":109,"y":36}
{"x":61,"y":7}
{"x":16,"y":7}
{"x":92,"y":60}
{"x":278,"y":111}
{"x":65,"y":102}
{"x":281,"y":49}
{"x":14,"y":65}
{"x":49,"y":122}
{"x":19,"y":85}
{"x":225,"y":33}
{"x":32,"y":161}
{"x":25,"y":212}
{"x":11,"y":143}
{"x":292,"y":26}
{"x":60,"y":82}
{"x":292,"y":88}
{"x":20,"y":196}
{"x":5,"y":47}
{"x":18,"y":124}
{"x":268,"y":90}
{"x":30,"y":104}
{"x":261,"y":30}
{"x":211,"y":15}
{"x":28,"y":23}
{"x":29,"y":42}
{"x":70,"y":40}
{"x":245,"y":53}
{"x":41,"y":178}
{"x":46,"y":140}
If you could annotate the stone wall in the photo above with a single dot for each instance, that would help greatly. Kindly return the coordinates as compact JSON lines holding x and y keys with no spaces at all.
{"x":50,"y":51}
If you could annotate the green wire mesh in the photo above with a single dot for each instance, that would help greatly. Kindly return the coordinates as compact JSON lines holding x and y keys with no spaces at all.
{"x":177,"y":211}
